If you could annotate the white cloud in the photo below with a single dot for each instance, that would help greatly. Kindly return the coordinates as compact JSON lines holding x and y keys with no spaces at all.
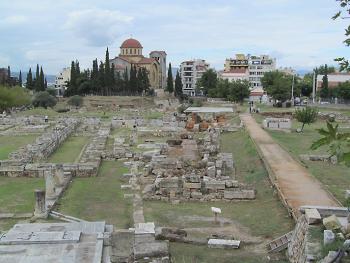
{"x":14,"y":20}
{"x":98,"y":27}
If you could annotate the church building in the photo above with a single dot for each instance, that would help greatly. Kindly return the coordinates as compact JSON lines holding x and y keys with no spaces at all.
{"x":131,"y":55}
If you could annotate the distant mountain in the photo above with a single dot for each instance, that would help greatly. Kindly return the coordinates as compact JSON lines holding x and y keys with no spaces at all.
{"x":49,"y":78}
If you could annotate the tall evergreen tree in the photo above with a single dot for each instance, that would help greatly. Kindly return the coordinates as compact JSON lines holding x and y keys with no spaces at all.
{"x":94,"y":76}
{"x":20,"y":78}
{"x":29,"y":84}
{"x":133,"y":80}
{"x":37,"y":79}
{"x":125,"y":84}
{"x":170,"y":84}
{"x":324,"y":93}
{"x":45,"y":84}
{"x":108,"y":74}
{"x":178,"y":85}
{"x":41,"y":80}
{"x":101,"y":79}
{"x":8,"y":76}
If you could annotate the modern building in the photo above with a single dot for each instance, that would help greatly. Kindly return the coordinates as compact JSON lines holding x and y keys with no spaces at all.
{"x":287,"y":70}
{"x":191,"y":71}
{"x":258,"y":66}
{"x":334,"y":79}
{"x":131,"y":55}
{"x":61,"y":81}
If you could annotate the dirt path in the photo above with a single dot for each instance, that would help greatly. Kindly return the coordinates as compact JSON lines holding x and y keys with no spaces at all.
{"x":296,"y":184}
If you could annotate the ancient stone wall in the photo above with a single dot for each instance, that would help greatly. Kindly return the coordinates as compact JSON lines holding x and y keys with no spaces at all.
{"x":296,"y":247}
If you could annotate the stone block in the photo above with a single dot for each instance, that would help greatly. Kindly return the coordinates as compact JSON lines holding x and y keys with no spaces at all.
{"x":239,"y":194}
{"x":169,"y":183}
{"x":328,"y":237}
{"x":231,"y":183}
{"x":196,"y":195}
{"x":223,"y":243}
{"x":331,"y":223}
{"x":211,"y":171}
{"x":312,"y":216}
{"x":215,"y":185}
{"x":347,"y":194}
{"x":192,"y":185}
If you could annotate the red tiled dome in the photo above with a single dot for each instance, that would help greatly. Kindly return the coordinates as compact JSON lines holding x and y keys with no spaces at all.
{"x":131,"y":43}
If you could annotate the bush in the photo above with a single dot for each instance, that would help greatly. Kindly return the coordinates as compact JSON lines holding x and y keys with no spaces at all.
{"x":288,"y":104}
{"x":51,"y":91}
{"x":306,"y":115}
{"x":196,"y":103}
{"x":62,"y":110}
{"x":44,"y":99}
{"x":13,"y":97}
{"x":181,"y":109}
{"x":75,"y":100}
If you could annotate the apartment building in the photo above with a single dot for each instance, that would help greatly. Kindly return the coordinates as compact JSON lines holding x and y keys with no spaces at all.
{"x":258,"y":65}
{"x":61,"y":81}
{"x":247,"y":67}
{"x":191,"y":71}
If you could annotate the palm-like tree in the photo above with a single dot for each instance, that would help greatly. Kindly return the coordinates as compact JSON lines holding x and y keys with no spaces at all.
{"x":336,"y":142}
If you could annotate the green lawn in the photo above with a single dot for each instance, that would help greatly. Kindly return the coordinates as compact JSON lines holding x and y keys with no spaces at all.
{"x":17,"y":194}
{"x":187,"y":253}
{"x":10,"y":144}
{"x":69,"y":151}
{"x":99,"y":198}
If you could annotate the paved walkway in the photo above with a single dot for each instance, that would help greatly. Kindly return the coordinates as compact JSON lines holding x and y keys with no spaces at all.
{"x":296,"y":184}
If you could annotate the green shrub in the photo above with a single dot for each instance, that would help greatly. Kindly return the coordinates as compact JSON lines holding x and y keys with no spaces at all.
{"x":13,"y":97}
{"x":75,"y":100}
{"x":51,"y":91}
{"x":306,"y":115}
{"x":44,"y":99}
{"x":62,"y":110}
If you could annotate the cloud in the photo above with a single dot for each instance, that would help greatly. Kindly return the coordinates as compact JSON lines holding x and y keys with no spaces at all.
{"x":98,"y":27}
{"x":14,"y":20}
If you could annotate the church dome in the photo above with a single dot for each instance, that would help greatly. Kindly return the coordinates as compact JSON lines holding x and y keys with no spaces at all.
{"x":131,"y":43}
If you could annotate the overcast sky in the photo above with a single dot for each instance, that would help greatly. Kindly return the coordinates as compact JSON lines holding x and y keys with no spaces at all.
{"x":299,"y":33}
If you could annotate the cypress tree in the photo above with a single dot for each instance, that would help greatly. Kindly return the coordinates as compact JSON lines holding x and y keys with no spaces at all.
{"x":108,"y":74}
{"x":8,"y":80}
{"x":29,"y":84}
{"x":20,"y":78}
{"x":125,"y":84}
{"x":37,"y":79}
{"x":133,"y":80}
{"x":178,"y":85}
{"x":170,"y":84}
{"x":41,"y":80}
{"x":324,"y":93}
{"x":45,"y":84}
{"x":101,"y":79}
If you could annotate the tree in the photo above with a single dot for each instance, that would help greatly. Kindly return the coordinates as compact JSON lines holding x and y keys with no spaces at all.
{"x":41,"y":84}
{"x":75,"y":100}
{"x":343,"y":90}
{"x":324,"y":69}
{"x":278,"y":85}
{"x":108,"y":75}
{"x":336,"y":142}
{"x":178,"y":86}
{"x":13,"y":97}
{"x":345,"y":6}
{"x":29,"y":83}
{"x":239,"y":90}
{"x":44,"y":99}
{"x":306,"y":115}
{"x":101,"y":79}
{"x":170,"y":83}
{"x":37,"y":79}
{"x":305,"y":84}
{"x":9,"y":76}
{"x":324,"y":93}
{"x":207,"y":82}
{"x":20,"y":78}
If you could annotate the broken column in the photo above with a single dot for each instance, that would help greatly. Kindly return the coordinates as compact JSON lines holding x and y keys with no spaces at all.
{"x":59,"y":175}
{"x":50,"y":185}
{"x":40,"y":205}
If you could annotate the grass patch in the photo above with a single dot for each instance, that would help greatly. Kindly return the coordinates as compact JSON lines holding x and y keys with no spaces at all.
{"x":99,"y":198}
{"x":17,"y":194}
{"x":10,"y":144}
{"x":69,"y":151}
{"x":186,"y":253}
{"x":153,"y":115}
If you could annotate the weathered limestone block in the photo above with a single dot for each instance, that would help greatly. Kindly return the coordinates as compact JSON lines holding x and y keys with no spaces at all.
{"x":192,"y":185}
{"x":223,"y":243}
{"x":215,"y":185}
{"x":211,"y":171}
{"x":328,"y":237}
{"x":196,"y":195}
{"x":331,"y":223}
{"x":231,"y":183}
{"x":40,"y":204}
{"x":239,"y":194}
{"x":50,"y":185}
{"x":170,"y":183}
{"x":312,"y":216}
{"x":59,"y":174}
